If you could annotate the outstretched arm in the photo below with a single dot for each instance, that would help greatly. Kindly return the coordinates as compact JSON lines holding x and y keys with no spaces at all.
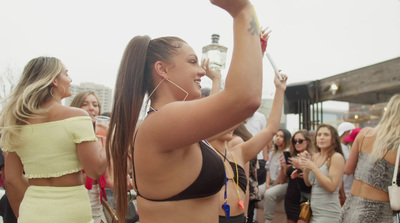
{"x":240,"y":98}
{"x":252,"y":147}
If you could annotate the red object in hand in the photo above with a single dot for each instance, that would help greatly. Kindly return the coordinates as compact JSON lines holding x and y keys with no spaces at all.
{"x":101,"y":132}
{"x":263,"y":45}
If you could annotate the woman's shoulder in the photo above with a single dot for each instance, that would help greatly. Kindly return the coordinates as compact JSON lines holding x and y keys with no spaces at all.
{"x":366,"y":131}
{"x":337,"y":157}
{"x":64,"y":112}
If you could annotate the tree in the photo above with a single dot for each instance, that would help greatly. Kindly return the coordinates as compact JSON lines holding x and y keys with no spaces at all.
{"x":8,"y":80}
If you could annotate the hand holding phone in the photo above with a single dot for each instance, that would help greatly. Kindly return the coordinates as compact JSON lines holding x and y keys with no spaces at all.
{"x":287,"y":155}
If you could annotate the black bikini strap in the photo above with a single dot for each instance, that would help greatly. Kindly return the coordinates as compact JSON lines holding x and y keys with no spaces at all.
{"x":222,"y":155}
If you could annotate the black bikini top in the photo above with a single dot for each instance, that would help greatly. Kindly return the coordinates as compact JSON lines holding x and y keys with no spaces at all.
{"x":242,"y":176}
{"x":209,"y":181}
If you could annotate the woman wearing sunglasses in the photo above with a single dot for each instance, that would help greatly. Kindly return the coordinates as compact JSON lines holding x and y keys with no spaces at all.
{"x":297,"y":191}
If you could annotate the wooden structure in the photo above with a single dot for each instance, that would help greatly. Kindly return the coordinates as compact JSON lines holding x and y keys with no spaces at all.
{"x":368,"y":85}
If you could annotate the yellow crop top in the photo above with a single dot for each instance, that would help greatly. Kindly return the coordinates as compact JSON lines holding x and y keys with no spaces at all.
{"x":49,"y":149}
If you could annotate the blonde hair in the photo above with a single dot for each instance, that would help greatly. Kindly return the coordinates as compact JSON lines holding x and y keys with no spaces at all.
{"x":26,"y":99}
{"x":388,"y":130}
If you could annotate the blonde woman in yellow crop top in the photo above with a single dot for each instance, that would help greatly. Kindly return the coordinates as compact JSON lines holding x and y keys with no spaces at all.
{"x":46,"y":146}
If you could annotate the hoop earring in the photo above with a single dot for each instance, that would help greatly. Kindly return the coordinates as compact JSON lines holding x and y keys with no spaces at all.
{"x":148,"y":98}
{"x":187,"y":94}
{"x":51,"y":92}
{"x":147,"y":101}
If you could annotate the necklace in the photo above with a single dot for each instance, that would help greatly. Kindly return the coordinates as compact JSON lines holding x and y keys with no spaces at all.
{"x":235,"y":182}
{"x":225,"y":206}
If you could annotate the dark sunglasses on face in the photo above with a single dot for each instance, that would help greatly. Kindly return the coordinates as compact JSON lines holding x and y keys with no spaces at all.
{"x":300,"y":141}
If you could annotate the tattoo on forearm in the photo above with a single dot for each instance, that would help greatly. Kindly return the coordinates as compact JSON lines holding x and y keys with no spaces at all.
{"x":253,"y":27}
{"x":330,"y":177}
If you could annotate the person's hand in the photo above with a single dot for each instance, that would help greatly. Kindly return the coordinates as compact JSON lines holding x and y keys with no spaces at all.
{"x":101,"y":130}
{"x":295,"y":161}
{"x":233,"y":7}
{"x":264,"y":36}
{"x":280,"y":84}
{"x":296,"y":174}
{"x":307,"y":163}
{"x":210,"y":73}
{"x":283,"y":163}
{"x":304,"y":154}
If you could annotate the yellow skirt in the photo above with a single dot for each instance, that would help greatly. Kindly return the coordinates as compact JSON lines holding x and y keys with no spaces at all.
{"x":55,"y":204}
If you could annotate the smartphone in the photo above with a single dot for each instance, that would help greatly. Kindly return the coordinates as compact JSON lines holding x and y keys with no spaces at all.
{"x":274,"y":66}
{"x":287,"y":156}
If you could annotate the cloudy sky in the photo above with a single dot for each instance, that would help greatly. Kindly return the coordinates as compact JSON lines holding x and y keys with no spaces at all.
{"x":310,"y":39}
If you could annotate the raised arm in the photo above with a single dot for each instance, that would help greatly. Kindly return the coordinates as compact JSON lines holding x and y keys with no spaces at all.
{"x":240,"y":98}
{"x":258,"y":142}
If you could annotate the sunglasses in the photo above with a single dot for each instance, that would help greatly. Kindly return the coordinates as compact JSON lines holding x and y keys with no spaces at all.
{"x":300,"y":141}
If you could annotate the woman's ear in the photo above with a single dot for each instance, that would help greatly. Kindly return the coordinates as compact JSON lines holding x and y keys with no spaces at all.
{"x":54,"y":83}
{"x":161,"y":69}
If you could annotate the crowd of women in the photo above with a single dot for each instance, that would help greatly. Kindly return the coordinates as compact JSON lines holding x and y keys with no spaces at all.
{"x":315,"y":173}
{"x":188,"y":160}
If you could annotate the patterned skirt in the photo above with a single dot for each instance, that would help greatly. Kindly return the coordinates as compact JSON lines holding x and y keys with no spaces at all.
{"x":362,"y":210}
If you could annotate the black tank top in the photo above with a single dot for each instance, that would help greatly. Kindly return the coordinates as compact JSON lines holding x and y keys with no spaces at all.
{"x":209,"y":181}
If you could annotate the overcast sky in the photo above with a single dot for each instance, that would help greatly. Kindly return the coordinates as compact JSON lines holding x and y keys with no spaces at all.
{"x":310,"y":39}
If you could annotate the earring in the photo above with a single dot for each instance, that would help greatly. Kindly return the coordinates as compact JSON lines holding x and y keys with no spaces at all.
{"x":148,"y":98}
{"x":187,"y":94}
{"x":51,"y":92}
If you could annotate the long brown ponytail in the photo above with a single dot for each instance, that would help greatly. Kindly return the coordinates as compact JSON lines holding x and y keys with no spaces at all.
{"x":134,"y":80}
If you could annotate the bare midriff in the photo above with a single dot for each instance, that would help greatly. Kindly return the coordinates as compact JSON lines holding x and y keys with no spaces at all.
{"x":361,"y":189}
{"x":74,"y":179}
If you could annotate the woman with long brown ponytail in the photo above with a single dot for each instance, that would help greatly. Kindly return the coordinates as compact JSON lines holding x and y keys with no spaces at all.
{"x":176,"y":175}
